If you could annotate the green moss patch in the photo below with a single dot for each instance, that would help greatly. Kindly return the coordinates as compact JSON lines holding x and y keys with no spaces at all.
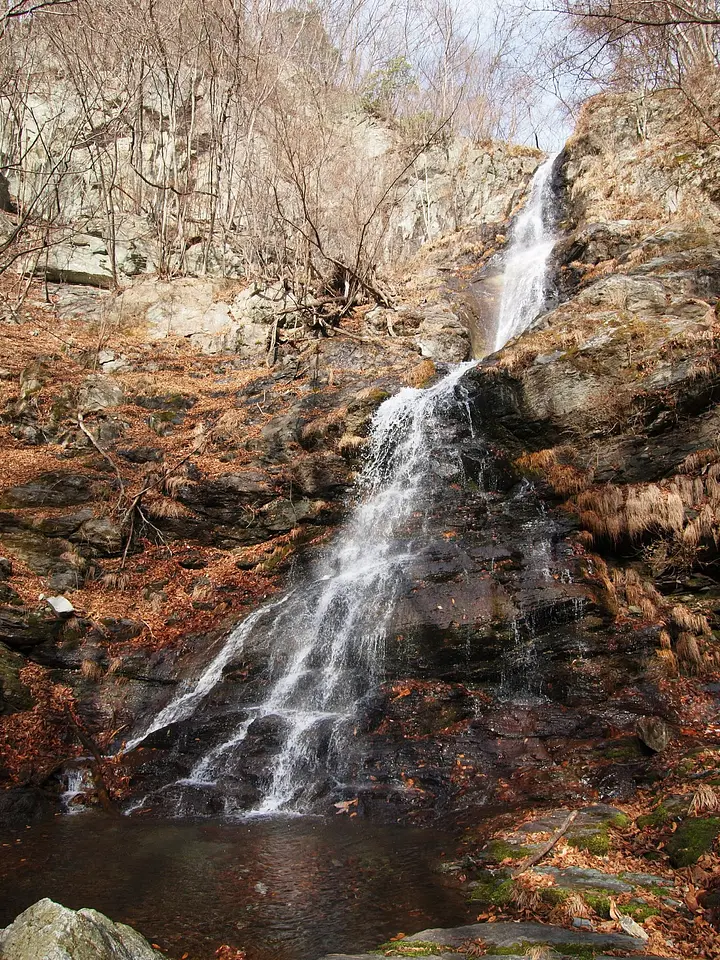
{"x":694,"y":837}
{"x":499,"y":850}
{"x":659,"y":816}
{"x":639,"y":910}
{"x":493,"y":889}
{"x":411,"y":948}
{"x":599,"y":900}
{"x":554,"y":895}
{"x":598,"y":843}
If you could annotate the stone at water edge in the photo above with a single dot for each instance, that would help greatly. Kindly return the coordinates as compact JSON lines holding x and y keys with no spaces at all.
{"x":50,"y":931}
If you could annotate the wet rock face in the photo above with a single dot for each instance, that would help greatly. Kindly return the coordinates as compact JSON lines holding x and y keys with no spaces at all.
{"x":498,"y":665}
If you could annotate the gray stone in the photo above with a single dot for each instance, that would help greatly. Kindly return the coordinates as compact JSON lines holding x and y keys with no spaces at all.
{"x":654,"y":733}
{"x":579,"y":878}
{"x":632,"y":928}
{"x":50,"y":931}
{"x":506,"y":934}
{"x":101,"y":533}
{"x":646,"y":880}
{"x":53,"y":489}
{"x":99,"y":392}
{"x":80,"y":259}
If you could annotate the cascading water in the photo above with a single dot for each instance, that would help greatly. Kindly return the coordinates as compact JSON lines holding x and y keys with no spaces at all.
{"x":325,"y":639}
{"x":525,"y":281}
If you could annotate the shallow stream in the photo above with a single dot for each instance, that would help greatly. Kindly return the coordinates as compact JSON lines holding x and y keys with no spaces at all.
{"x":279,"y":888}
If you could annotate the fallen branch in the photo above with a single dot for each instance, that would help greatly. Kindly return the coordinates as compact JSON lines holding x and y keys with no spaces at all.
{"x":545,"y":848}
{"x":102,"y":453}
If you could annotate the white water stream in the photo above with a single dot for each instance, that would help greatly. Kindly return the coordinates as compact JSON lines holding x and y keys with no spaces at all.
{"x":525,"y":282}
{"x":324,"y":640}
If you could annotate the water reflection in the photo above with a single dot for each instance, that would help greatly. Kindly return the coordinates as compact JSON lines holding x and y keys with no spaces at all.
{"x":282,"y":889}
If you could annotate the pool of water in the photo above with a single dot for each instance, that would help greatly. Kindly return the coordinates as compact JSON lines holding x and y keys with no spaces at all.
{"x":281,"y":889}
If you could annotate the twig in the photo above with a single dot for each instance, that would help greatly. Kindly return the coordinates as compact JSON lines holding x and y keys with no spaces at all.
{"x":545,"y":848}
{"x":102,"y":453}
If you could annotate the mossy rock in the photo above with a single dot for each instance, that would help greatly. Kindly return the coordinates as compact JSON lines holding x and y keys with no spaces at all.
{"x":657,"y":818}
{"x":554,"y":896}
{"x":694,"y":837}
{"x":599,"y":901}
{"x":499,"y":850}
{"x":597,"y":843}
{"x":494,"y":889}
{"x":410,"y":948}
{"x":639,"y":910}
{"x":14,"y":695}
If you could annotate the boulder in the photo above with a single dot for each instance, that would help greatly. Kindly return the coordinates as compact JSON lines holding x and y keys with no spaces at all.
{"x":80,"y":258}
{"x":654,"y":733}
{"x":24,"y":628}
{"x":98,"y":392}
{"x":53,"y":932}
{"x":19,"y":807}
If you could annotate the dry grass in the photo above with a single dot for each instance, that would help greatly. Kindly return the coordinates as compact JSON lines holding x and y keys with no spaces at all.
{"x":558,"y":468}
{"x":92,"y":670}
{"x":705,"y":800}
{"x":525,"y":893}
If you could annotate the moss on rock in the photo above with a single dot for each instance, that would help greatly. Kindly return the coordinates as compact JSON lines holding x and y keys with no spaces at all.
{"x":694,"y":837}
{"x":597,"y":843}
{"x":499,"y":850}
{"x":495,"y":889}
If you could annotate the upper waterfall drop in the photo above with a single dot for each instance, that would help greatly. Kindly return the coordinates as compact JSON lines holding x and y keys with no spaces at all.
{"x":526,"y":261}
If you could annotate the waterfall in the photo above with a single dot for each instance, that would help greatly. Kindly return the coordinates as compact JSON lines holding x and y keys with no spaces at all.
{"x":525,"y":285}
{"x":323,"y":641}
{"x":325,"y":638}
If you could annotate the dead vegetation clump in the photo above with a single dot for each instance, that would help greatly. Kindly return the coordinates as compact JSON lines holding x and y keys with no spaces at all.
{"x":682,"y":634}
{"x":557,"y":466}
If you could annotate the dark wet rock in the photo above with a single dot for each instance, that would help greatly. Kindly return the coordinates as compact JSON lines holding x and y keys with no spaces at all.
{"x":141,"y":454}
{"x":14,"y":695}
{"x":20,"y":806}
{"x":321,"y":475}
{"x":227,"y":498}
{"x":118,"y":630}
{"x":6,"y":568}
{"x":25,"y":628}
{"x":63,"y":525}
{"x":54,"y":489}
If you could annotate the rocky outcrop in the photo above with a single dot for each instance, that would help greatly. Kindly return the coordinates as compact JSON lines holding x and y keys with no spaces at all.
{"x":53,"y":932}
{"x":466,"y":941}
{"x":457,"y":186}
